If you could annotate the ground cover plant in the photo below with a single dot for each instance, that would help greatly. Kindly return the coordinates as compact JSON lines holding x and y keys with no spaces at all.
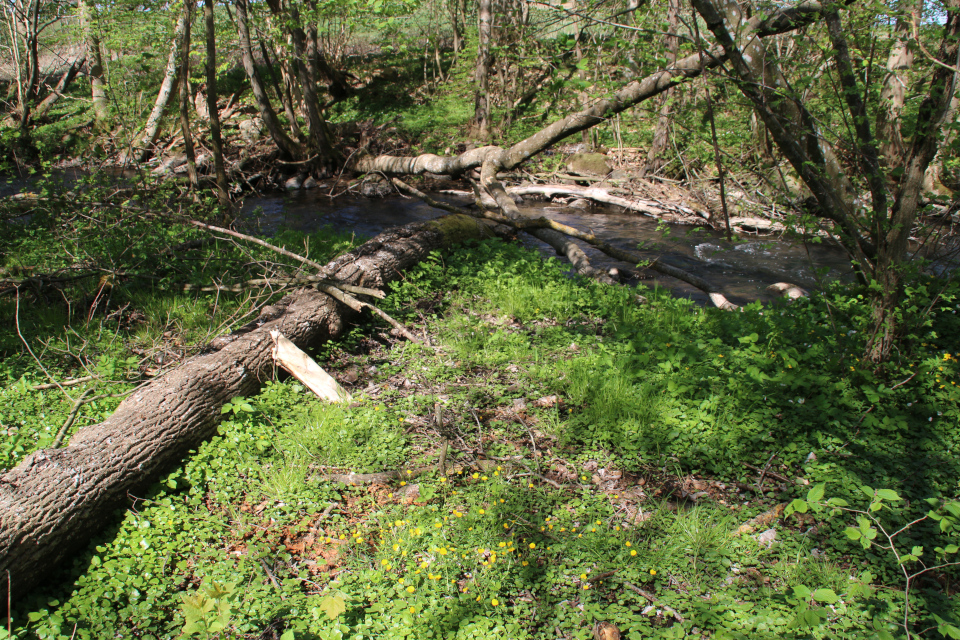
{"x":566,"y":454}
{"x":105,"y":297}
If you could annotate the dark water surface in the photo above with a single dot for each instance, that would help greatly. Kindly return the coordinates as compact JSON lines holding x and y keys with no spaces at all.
{"x":743,"y":268}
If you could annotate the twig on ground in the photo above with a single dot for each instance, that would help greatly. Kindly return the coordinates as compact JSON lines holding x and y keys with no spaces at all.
{"x":770,"y":473}
{"x":652,"y":599}
{"x":70,"y":418}
{"x":65,"y":383}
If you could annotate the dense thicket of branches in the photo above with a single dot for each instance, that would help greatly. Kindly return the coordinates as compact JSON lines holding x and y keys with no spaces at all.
{"x":828,"y":107}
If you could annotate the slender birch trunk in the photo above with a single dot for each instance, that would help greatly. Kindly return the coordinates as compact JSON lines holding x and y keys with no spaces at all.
{"x":152,"y":130}
{"x":98,"y":84}
{"x":185,"y":97}
{"x":216,"y":142}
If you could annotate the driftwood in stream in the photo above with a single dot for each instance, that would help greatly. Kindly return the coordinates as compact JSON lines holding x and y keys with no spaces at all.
{"x":491,"y":160}
{"x":55,"y":500}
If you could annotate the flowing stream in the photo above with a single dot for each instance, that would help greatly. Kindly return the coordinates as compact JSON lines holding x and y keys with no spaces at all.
{"x":743,"y":268}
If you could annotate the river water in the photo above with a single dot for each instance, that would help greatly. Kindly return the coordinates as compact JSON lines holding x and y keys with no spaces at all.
{"x":743,"y":269}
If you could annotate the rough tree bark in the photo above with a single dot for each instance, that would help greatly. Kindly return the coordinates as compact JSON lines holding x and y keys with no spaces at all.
{"x":56,"y":499}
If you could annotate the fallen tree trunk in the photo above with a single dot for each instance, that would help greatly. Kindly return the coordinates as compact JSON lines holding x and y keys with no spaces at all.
{"x":55,"y":500}
{"x":652,"y":208}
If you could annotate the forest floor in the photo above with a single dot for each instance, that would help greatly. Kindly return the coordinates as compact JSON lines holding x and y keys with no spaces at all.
{"x":565,"y":454}
{"x":578,"y":453}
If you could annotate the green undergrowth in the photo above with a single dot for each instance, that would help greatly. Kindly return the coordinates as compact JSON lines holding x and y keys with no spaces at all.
{"x":114,"y":297}
{"x":601,"y":464}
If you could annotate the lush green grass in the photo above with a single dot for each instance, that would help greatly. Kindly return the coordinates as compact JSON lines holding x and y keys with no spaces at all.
{"x":633,"y":471}
{"x":129,"y":317}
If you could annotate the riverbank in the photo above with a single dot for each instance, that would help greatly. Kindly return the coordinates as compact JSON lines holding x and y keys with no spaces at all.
{"x":576,"y":456}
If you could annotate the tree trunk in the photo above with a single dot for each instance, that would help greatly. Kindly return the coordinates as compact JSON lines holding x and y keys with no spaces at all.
{"x":661,"y":135}
{"x":57,"y":499}
{"x":216,"y":142}
{"x":629,"y":96}
{"x":336,"y":80}
{"x":65,"y":80}
{"x":98,"y":85}
{"x":286,"y":145}
{"x":152,"y":130}
{"x":304,"y":49}
{"x":185,"y":97}
{"x":893,"y":93}
{"x":33,"y":50}
{"x":282,"y":90}
{"x":481,"y":112}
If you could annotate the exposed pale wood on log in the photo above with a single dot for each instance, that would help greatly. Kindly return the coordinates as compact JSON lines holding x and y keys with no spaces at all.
{"x":55,"y":500}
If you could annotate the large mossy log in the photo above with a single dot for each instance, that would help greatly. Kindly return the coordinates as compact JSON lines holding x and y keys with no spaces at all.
{"x":57,"y":499}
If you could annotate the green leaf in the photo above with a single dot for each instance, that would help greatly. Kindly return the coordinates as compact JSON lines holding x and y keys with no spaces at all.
{"x":888,"y":494}
{"x":802,"y":592}
{"x":826,"y":596}
{"x":951,"y":548}
{"x":917,"y":551}
{"x":853,"y":533}
{"x":816,"y":492}
{"x":800,"y":506}
{"x":288,"y":635}
{"x":333,"y":606}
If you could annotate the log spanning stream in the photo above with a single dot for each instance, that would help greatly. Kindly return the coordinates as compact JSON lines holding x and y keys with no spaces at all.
{"x":743,"y":268}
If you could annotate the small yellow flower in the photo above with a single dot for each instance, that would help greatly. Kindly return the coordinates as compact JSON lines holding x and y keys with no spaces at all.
{"x":583,"y":576}
{"x":403,"y":483}
{"x":495,"y":602}
{"x":524,"y":563}
{"x":530,"y":486}
{"x":633,"y":552}
{"x":533,"y":545}
{"x":628,"y":543}
{"x":481,"y":512}
{"x":653,"y":572}
{"x":502,"y":544}
{"x":475,"y":476}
